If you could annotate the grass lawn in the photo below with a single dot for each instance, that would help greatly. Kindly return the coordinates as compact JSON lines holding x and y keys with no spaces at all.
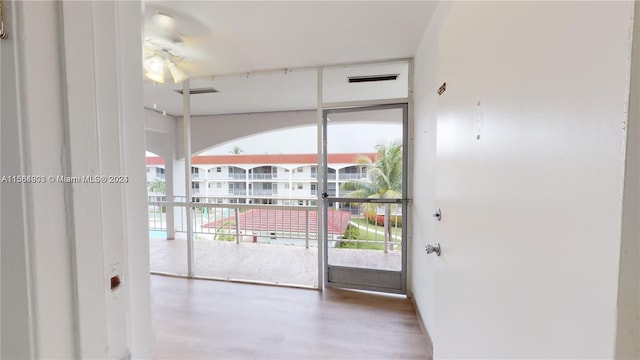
{"x":370,"y":232}
{"x":371,"y":228}
{"x":360,"y":245}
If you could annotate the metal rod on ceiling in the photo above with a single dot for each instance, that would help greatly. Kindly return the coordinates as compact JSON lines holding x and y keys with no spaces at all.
{"x":286,"y":70}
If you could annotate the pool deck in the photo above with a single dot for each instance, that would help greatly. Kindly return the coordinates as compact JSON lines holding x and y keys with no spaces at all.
{"x":258,"y":262}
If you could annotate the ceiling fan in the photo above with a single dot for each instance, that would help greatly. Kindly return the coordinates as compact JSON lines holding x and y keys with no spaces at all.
{"x":166,"y":51}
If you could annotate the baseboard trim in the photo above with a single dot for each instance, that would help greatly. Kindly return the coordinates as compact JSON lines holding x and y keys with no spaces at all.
{"x":423,"y":327}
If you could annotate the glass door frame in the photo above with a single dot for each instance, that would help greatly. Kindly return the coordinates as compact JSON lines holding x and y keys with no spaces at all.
{"x":365,"y":278}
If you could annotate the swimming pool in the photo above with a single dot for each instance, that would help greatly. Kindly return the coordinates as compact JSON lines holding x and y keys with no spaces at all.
{"x":157,"y":234}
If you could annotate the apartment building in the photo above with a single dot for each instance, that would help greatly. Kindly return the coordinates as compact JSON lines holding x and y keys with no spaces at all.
{"x":280,"y":179}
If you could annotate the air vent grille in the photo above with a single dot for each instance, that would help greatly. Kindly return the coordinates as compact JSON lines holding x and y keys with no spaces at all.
{"x":371,"y":78}
{"x":197,"y":91}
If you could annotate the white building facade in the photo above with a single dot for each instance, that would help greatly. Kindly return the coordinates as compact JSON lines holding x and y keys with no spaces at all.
{"x":264,"y":179}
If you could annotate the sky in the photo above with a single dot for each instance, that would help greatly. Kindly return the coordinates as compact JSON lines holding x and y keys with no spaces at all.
{"x":341,"y":138}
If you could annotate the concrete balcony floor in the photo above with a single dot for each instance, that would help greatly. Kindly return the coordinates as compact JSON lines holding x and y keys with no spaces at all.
{"x":258,"y":262}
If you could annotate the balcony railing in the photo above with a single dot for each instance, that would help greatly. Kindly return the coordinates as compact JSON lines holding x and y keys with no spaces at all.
{"x":238,"y":176}
{"x":263,"y":176}
{"x":264,"y":192}
{"x":353,"y":176}
{"x":356,"y":224}
{"x":238,"y":192}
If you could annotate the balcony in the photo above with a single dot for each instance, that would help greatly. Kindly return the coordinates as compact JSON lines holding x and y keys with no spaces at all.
{"x":269,"y":243}
{"x":353,"y":176}
{"x":197,"y":177}
{"x":264,"y":192}
{"x":263,"y":176}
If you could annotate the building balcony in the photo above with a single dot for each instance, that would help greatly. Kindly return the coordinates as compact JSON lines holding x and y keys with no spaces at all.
{"x":263,"y":176}
{"x":240,"y":192}
{"x":264,"y":192}
{"x":353,"y":176}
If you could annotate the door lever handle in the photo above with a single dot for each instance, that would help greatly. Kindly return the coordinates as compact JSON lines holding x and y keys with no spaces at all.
{"x":433,"y":249}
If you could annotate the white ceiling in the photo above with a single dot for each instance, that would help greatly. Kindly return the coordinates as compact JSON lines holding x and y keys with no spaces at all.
{"x":249,"y":37}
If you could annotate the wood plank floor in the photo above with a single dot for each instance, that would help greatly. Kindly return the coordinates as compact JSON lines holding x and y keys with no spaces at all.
{"x":203,"y":319}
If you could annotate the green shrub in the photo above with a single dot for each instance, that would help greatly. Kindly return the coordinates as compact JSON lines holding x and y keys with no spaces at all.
{"x":352,"y":232}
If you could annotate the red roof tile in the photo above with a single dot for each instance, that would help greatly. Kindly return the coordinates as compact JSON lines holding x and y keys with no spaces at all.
{"x":279,"y":220}
{"x":155,"y":160}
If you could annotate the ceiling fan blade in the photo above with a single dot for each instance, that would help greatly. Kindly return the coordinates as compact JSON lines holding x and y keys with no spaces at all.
{"x":178,"y":39}
{"x":184,"y":25}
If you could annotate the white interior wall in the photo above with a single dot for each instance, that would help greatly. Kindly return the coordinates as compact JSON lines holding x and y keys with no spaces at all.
{"x":1,"y":113}
{"x":421,"y":286}
{"x":207,"y":131}
{"x":154,"y":121}
{"x":78,"y":113}
{"x":160,"y":132}
{"x":628,"y":332}
{"x":530,"y":231}
{"x":36,"y":239}
{"x":16,"y":338}
{"x":336,"y":87}
{"x":133,"y":163}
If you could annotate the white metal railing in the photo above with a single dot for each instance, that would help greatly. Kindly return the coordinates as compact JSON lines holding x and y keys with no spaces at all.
{"x":264,"y":192}
{"x":238,"y":192}
{"x":263,"y":176}
{"x":352,"y":225}
{"x":352,"y":176}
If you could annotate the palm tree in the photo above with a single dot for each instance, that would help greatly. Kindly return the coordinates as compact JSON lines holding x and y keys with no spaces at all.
{"x":385,"y":182}
{"x":158,"y":186}
{"x":236,"y":150}
{"x":385,"y":174}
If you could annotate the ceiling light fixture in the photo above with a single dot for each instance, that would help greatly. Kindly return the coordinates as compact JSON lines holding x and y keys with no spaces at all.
{"x":165,"y":50}
{"x":178,"y":74}
{"x":154,"y":68}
